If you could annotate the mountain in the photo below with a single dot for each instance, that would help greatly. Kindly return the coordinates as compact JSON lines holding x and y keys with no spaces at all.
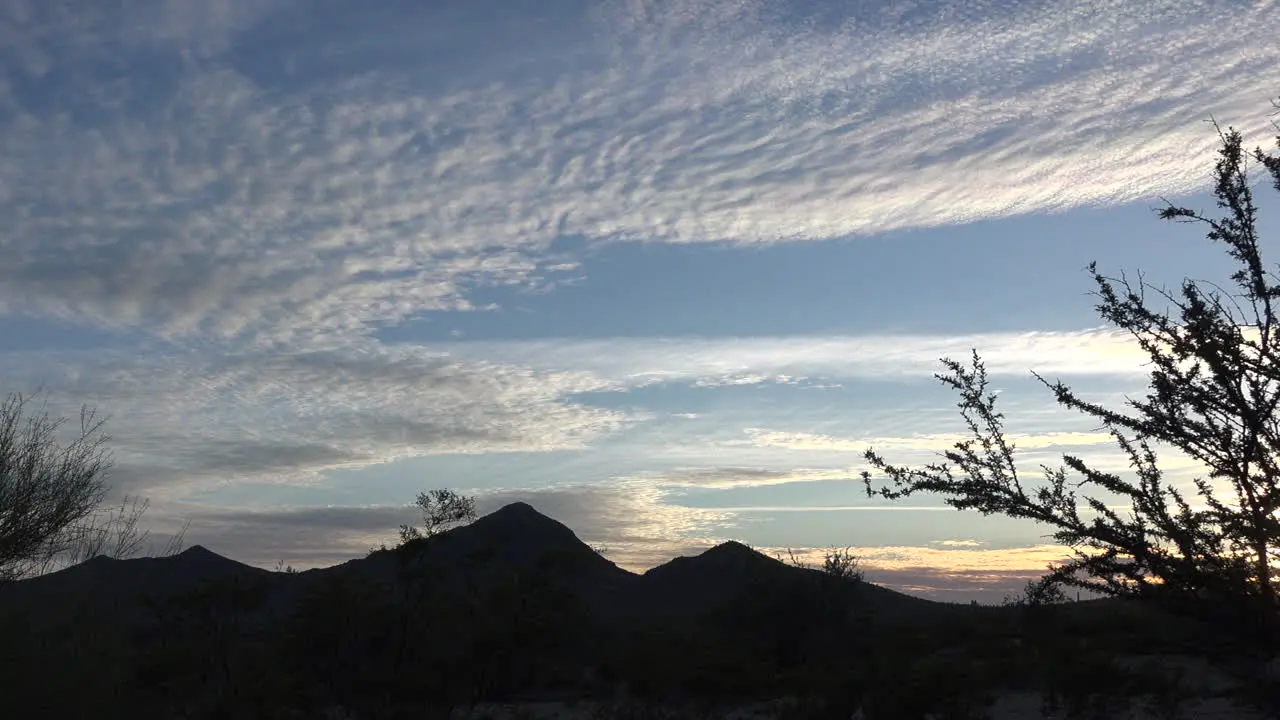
{"x":512,"y":541}
{"x":692,"y":585}
{"x":512,"y":601}
{"x":518,"y":538}
{"x":102,"y":584}
{"x":731,"y":571}
{"x":513,"y":605}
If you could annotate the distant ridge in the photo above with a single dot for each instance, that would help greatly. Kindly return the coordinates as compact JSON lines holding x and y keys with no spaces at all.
{"x":515,"y":540}
{"x":513,"y":579}
{"x":693,"y":584}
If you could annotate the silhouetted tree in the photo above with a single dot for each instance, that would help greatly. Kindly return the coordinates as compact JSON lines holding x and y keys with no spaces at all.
{"x":1214,"y":391}
{"x":114,"y":532}
{"x":836,"y":562}
{"x":46,"y":487}
{"x":841,"y":563}
{"x":442,"y":509}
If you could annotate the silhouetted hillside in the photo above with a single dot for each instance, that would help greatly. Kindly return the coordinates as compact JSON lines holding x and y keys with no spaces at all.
{"x":727,"y":571}
{"x":513,"y":605}
{"x":511,"y":541}
{"x":105,"y":585}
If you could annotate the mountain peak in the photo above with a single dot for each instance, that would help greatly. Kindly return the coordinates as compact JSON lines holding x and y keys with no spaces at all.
{"x":729,"y":554}
{"x":520,"y":522}
{"x":515,"y":509}
{"x":734,"y":553}
{"x":731,"y":547}
{"x":516,"y":537}
{"x":198,"y":560}
{"x":197,"y":551}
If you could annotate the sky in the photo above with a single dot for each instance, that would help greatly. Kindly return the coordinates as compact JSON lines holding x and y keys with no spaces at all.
{"x":661,"y":268}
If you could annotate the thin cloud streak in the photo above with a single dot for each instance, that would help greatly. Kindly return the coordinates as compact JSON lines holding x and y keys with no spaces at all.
{"x":803,"y":441}
{"x":949,"y":574}
{"x":828,"y":508}
{"x":795,"y":359}
{"x":728,"y":477}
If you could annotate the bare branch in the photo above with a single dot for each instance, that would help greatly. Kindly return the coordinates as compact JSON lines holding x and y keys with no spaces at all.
{"x":1213,"y":395}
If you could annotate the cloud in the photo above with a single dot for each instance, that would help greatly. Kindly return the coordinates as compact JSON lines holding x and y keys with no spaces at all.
{"x":956,"y":571}
{"x":870,"y":120}
{"x":1032,"y":451}
{"x":984,"y":574}
{"x":935,"y":442}
{"x":826,"y":508}
{"x":239,"y":201}
{"x":959,"y":543}
{"x":178,"y":418}
{"x":986,"y":587}
{"x":793,"y":360}
{"x":725,"y":478}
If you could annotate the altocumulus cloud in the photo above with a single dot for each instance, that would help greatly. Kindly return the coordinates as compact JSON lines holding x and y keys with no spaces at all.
{"x":182,"y":188}
{"x":185,"y":417}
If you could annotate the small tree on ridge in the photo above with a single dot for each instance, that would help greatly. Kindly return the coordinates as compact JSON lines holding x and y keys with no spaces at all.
{"x":442,"y":509}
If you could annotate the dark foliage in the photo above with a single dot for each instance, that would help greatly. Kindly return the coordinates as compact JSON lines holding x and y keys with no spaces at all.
{"x":46,"y":487}
{"x":511,"y":608}
{"x":1214,"y":389}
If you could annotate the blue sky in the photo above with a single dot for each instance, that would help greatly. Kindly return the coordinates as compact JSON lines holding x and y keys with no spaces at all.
{"x":661,"y":268}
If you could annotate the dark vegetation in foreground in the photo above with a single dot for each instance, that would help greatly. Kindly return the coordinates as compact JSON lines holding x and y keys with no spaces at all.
{"x":515,"y":607}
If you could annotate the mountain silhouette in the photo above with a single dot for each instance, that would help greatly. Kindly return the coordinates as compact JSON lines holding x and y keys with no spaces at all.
{"x":692,"y":585}
{"x":513,"y":605}
{"x":525,"y":601}
{"x":515,"y":540}
{"x":106,"y":586}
